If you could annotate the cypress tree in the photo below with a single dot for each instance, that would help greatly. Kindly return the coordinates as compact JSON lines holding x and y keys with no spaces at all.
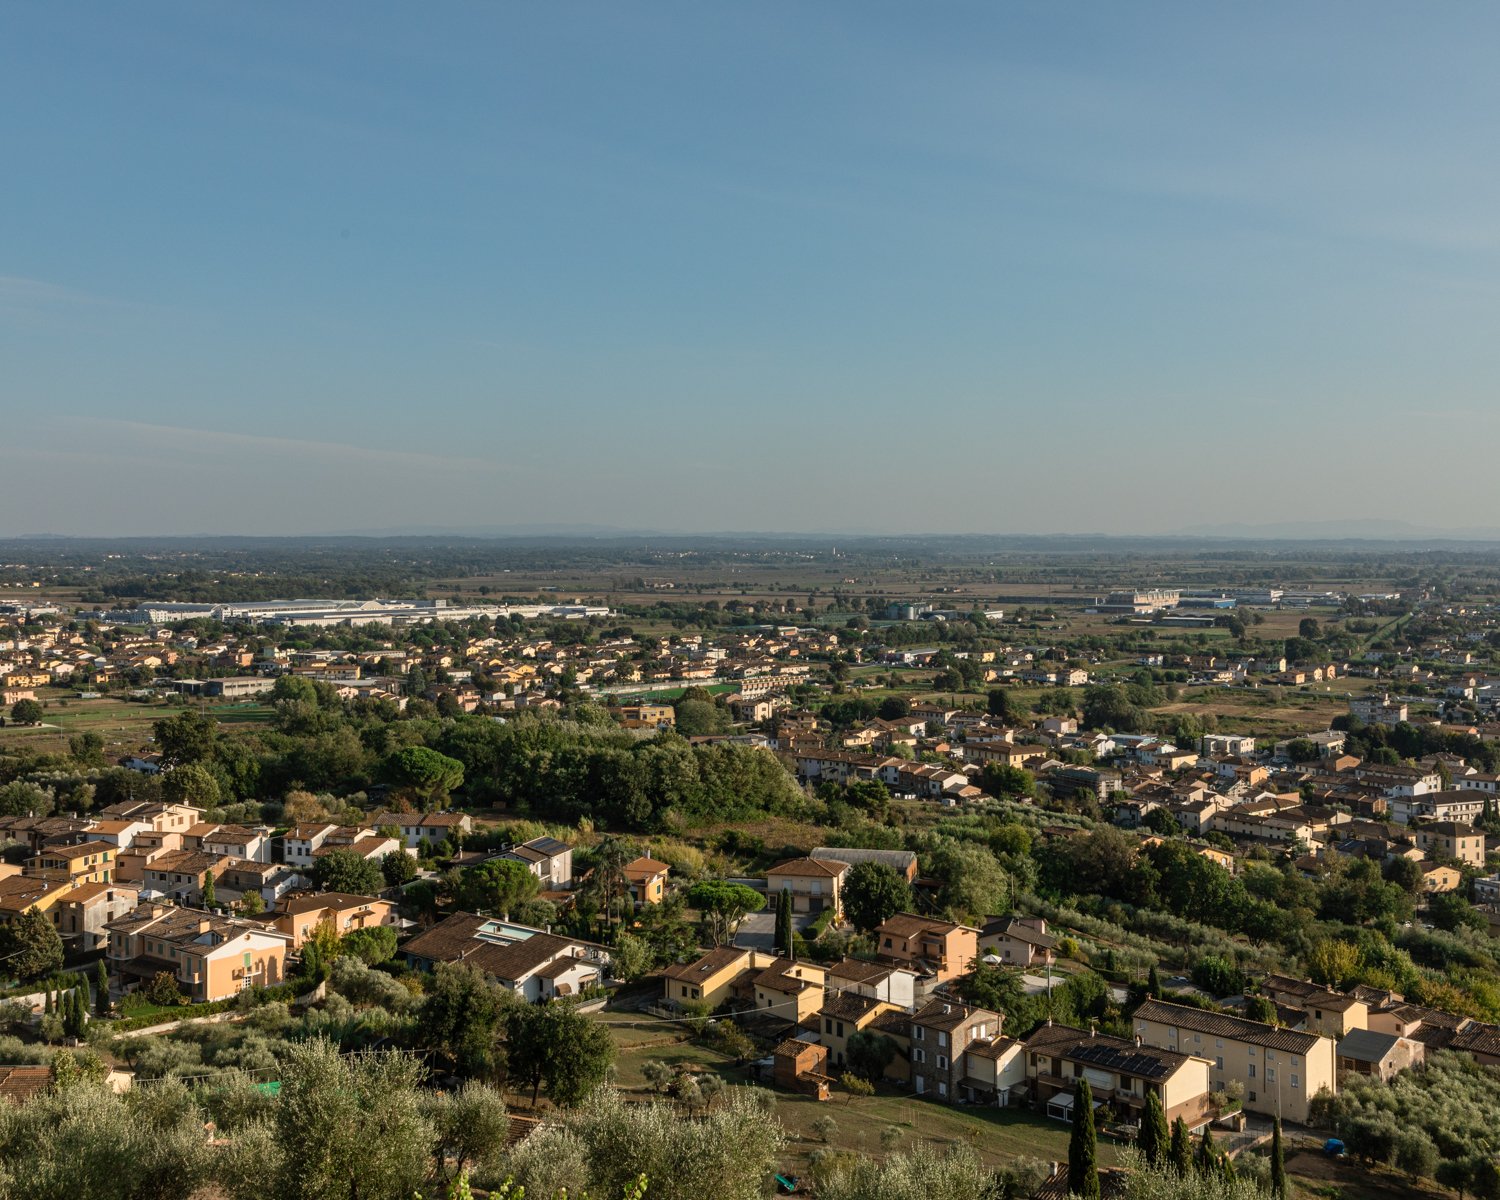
{"x":49,"y":1008}
{"x":1154,"y":1137}
{"x":1207,"y":1156}
{"x":1153,"y":984}
{"x":208,"y":888}
{"x":1278,"y":1162}
{"x":1083,"y":1146}
{"x":1181,"y":1152}
{"x":101,"y":989}
{"x":784,"y":929}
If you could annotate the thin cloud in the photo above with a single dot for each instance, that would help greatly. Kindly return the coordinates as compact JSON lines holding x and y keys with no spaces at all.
{"x":189,"y":440}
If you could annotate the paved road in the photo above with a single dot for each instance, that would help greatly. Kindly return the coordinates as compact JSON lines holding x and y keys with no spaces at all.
{"x":758,"y":930}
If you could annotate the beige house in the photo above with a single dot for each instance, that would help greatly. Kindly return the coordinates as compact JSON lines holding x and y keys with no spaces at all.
{"x":815,"y":884}
{"x":298,"y":916}
{"x":212,"y":958}
{"x":1451,"y":839}
{"x":1281,"y":1070}
{"x":1018,"y":941}
{"x":709,"y":979}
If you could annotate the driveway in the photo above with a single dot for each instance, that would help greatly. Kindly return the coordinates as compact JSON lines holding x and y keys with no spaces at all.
{"x":758,"y":930}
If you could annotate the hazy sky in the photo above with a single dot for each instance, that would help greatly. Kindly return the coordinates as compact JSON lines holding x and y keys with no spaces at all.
{"x":991,"y":266}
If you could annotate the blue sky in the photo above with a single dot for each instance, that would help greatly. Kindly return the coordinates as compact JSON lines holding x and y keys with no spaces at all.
{"x":988,"y":267}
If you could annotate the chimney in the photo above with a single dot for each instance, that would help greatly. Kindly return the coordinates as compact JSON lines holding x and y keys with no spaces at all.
{"x":1093,"y":1029}
{"x":1138,"y":1040}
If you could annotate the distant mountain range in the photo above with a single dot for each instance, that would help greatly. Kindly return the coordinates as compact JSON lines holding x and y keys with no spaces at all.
{"x":1366,"y":529}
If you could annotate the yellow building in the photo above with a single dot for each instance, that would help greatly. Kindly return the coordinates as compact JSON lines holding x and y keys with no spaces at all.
{"x":1281,"y":1070}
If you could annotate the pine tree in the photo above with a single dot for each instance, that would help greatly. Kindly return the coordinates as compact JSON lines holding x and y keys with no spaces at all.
{"x":1181,"y":1153}
{"x":1278,"y":1162}
{"x":1083,"y":1147}
{"x":1207,"y":1156}
{"x":1155,"y":1137}
{"x":101,"y":989}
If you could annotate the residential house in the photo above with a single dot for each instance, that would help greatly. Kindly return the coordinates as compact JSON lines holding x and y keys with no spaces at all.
{"x":1451,"y":840}
{"x":81,"y":862}
{"x":423,"y":831}
{"x":788,"y":990}
{"x":941,"y":1032}
{"x":181,"y":874}
{"x":549,"y":859}
{"x":1280,"y":1069}
{"x":211,"y":957}
{"x":1018,"y":941}
{"x":532,"y":963}
{"x":708,"y":980}
{"x":928,"y":946}
{"x":300,"y":915}
{"x":1382,"y":1055}
{"x":301,"y":842}
{"x":877,"y":981}
{"x":1119,"y":1072}
{"x":83,"y":914}
{"x":646,"y":879}
{"x":815,"y":884}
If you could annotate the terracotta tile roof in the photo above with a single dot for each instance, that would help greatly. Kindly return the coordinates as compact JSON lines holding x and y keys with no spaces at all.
{"x":709,"y":965}
{"x":823,"y":868}
{"x":22,"y":1083}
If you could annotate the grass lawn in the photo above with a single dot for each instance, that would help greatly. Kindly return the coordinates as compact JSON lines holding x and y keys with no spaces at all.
{"x":996,"y":1135}
{"x":125,"y":725}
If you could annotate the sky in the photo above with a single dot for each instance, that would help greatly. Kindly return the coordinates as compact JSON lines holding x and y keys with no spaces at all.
{"x":284,"y":268}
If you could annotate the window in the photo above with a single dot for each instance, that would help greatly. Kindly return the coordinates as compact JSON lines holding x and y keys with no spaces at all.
{"x":1218,"y":1062}
{"x":1270,"y":1074}
{"x":942,"y":1038}
{"x":918,"y":1034}
{"x":918,"y":1055}
{"x":942,"y":1063}
{"x":1251,"y":1096}
{"x":1295,"y":1083}
{"x":1252,"y":1070}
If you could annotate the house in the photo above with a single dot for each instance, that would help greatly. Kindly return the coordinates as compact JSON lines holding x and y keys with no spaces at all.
{"x":1280,"y":1069}
{"x":532,"y":963}
{"x":1451,"y":840}
{"x":815,"y":884}
{"x":646,"y":716}
{"x":549,"y":859}
{"x":788,"y":990}
{"x":903,"y":862}
{"x":83,"y":914}
{"x":1119,"y":1072}
{"x":646,"y":878}
{"x":1018,"y":941}
{"x":422,"y":831}
{"x":300,"y":915}
{"x":842,"y":1015}
{"x":81,"y":862}
{"x":270,"y":881}
{"x":236,"y":841}
{"x":182,"y":874}
{"x":21,"y":893}
{"x":941,"y":1033}
{"x":801,"y":1066}
{"x":877,"y":981}
{"x":1382,"y":1055}
{"x":301,"y":842}
{"x":927,"y":946}
{"x":212,"y":958}
{"x":708,"y":980}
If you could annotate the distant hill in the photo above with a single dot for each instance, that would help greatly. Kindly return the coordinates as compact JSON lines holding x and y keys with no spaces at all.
{"x":1367,"y":529}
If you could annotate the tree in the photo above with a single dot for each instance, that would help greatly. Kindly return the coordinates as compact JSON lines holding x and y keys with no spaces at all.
{"x":869,"y":1053}
{"x":1154,"y":1139}
{"x":1333,"y":962}
{"x":346,"y":871}
{"x":1261,"y":1008}
{"x":470,"y":1127}
{"x":696,"y":718}
{"x":374,"y":945}
{"x":872,"y":893}
{"x":349,"y":1127}
{"x":500,"y":885}
{"x":21,"y":799}
{"x":1302,"y":750}
{"x":1083,"y":1149}
{"x":557,"y":1045}
{"x":26,"y":712}
{"x":722,"y":905}
{"x":461,"y":1016}
{"x":252,"y":904}
{"x":87,"y":748}
{"x":786,"y":930}
{"x":190,"y":783}
{"x":397,"y":868}
{"x":1180,"y":1154}
{"x":998,"y":704}
{"x":163,"y":990}
{"x":423,"y":772}
{"x":208,"y":888}
{"x":189,"y":737}
{"x":1206,"y":1159}
{"x":1278,"y":1162}
{"x":101,"y":989}
{"x":893,"y":708}
{"x":31,"y":947}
